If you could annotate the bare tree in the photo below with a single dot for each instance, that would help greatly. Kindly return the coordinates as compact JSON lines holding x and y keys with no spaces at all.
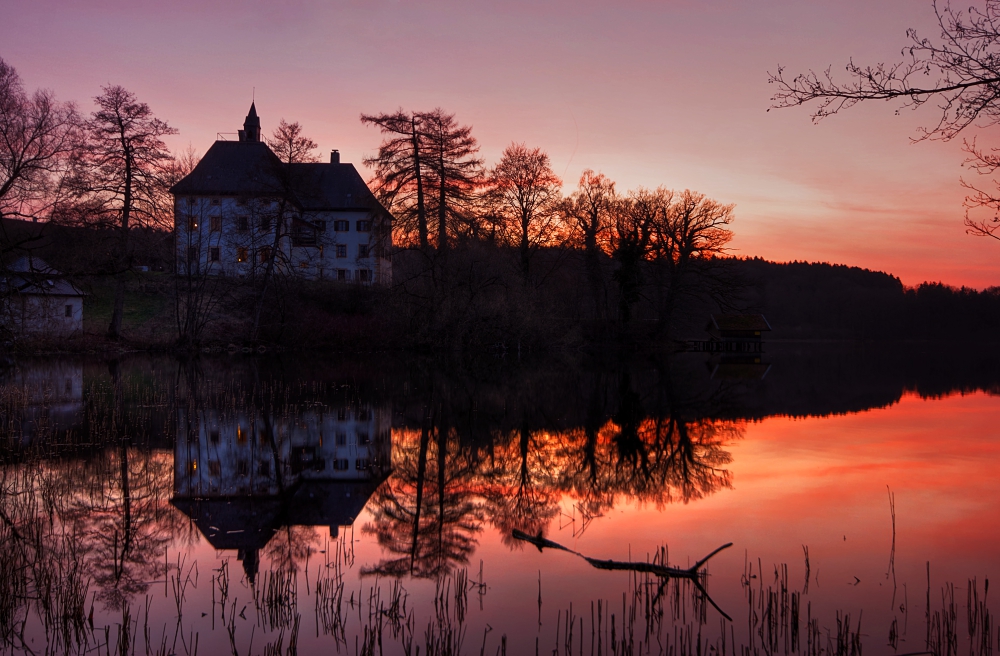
{"x":38,"y":134}
{"x":588,"y":212}
{"x":524,"y":195}
{"x":290,"y":145}
{"x":399,"y":182}
{"x":631,"y":232}
{"x":693,"y":233}
{"x":454,"y":171}
{"x":123,"y":170}
{"x":959,"y":71}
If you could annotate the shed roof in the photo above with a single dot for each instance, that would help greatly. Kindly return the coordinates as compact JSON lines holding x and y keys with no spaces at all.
{"x":755,"y":322}
{"x":33,"y":276}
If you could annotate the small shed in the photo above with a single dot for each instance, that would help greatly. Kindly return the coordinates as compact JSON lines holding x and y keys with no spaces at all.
{"x":37,"y":300}
{"x":741,"y":333}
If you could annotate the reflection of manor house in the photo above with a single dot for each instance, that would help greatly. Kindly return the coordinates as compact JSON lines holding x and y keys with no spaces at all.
{"x":243,"y":476}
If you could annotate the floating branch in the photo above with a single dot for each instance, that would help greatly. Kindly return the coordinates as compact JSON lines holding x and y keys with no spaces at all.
{"x":692,"y":573}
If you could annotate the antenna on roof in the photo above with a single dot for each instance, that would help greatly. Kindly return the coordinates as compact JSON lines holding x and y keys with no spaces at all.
{"x":253,"y":95}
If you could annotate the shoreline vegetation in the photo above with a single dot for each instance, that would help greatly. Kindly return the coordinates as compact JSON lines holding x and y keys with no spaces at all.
{"x":804,"y":302}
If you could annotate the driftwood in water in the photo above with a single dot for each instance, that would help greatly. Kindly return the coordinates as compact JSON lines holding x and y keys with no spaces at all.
{"x":692,"y":573}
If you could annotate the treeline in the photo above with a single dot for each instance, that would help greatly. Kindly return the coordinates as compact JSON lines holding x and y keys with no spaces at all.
{"x":483,"y":255}
{"x":826,"y":301}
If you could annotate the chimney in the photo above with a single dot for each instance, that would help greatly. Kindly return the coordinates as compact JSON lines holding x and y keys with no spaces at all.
{"x":243,"y":135}
{"x":335,"y":157}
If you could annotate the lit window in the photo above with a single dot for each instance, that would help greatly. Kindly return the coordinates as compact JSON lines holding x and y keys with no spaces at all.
{"x":192,"y":223}
{"x":265,"y":254}
{"x":241,"y":254}
{"x":215,"y":224}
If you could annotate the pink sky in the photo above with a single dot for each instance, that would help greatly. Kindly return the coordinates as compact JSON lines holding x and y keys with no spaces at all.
{"x":669,"y":93}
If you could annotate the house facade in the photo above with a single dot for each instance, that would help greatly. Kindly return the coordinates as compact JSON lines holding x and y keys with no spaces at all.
{"x":36,"y":300}
{"x":243,"y":212}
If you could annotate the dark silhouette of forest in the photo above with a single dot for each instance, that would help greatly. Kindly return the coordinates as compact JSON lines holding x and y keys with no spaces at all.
{"x":826,"y":301}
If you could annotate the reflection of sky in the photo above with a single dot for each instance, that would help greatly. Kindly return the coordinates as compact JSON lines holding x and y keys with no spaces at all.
{"x":795,"y":482}
{"x":669,"y":93}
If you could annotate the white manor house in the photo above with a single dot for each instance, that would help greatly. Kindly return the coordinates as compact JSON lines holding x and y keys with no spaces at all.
{"x":242,"y":210}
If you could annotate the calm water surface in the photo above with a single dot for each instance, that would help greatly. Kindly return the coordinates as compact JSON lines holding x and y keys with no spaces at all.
{"x":367,"y":505}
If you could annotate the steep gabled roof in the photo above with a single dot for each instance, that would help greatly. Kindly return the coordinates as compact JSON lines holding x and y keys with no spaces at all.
{"x":234,"y":168}
{"x":331,"y":187}
{"x":740,"y":322}
{"x":246,"y":168}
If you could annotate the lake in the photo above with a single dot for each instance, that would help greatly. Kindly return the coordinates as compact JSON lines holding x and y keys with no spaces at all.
{"x":371,"y":504}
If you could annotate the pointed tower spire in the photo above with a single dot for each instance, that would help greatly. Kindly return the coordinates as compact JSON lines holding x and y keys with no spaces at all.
{"x":251,"y":126}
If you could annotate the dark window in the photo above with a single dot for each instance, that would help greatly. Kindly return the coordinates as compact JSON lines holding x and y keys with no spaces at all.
{"x":264,"y":469}
{"x":342,"y":275}
{"x":340,"y":464}
{"x":69,"y":386}
{"x":365,"y":414}
{"x":192,"y":253}
{"x":242,"y":223}
{"x":341,"y":439}
{"x":265,"y":223}
{"x":365,"y":275}
{"x":214,"y":253}
{"x":213,"y":435}
{"x":303,"y":235}
{"x":364,"y":226}
{"x":341,"y":250}
{"x":215,"y":224}
{"x":363,"y":439}
{"x":320,"y":225}
{"x":214,"y":468}
{"x":265,"y":254}
{"x":341,"y":226}
{"x":69,"y":311}
{"x":242,"y":468}
{"x":362,"y":250}
{"x":361,"y":464}
{"x":342,"y":414}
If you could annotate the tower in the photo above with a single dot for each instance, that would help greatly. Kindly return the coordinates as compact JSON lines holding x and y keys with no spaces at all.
{"x":251,"y":126}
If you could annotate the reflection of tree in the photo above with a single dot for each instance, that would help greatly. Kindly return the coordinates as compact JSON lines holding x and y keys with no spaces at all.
{"x":517,"y":487}
{"x":425,"y":515}
{"x":122,"y":515}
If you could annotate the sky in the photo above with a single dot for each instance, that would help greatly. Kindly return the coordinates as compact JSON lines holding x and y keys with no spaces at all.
{"x":670,"y":93}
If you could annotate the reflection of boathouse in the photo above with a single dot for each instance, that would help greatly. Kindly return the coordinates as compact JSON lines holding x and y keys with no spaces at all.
{"x":48,"y":402}
{"x":241,"y":476}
